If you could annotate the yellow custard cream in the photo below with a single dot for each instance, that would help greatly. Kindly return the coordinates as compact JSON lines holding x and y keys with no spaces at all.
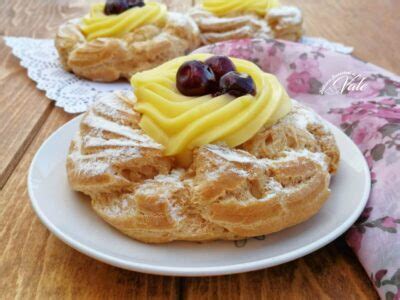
{"x":182,"y":123}
{"x":223,"y":7}
{"x":97,"y":24}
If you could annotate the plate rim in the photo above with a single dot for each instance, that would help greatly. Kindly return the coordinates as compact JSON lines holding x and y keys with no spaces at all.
{"x":195,"y":271}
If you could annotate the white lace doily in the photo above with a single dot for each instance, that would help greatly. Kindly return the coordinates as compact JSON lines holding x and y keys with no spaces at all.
{"x":73,"y":94}
{"x":40,"y":58}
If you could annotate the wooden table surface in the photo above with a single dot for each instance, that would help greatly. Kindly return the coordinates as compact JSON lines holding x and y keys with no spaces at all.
{"x":35,"y":264}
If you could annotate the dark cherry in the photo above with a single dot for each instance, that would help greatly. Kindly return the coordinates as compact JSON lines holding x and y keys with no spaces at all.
{"x":194,"y":78}
{"x":237,"y":84}
{"x":220,"y":65}
{"x":115,"y":7}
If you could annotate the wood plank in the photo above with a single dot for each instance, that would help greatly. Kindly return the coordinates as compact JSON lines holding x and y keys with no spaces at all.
{"x":330,"y":273}
{"x":23,"y":109}
{"x":334,"y":271}
{"x":371,"y":27}
{"x":38,"y":19}
{"x":34,"y":263}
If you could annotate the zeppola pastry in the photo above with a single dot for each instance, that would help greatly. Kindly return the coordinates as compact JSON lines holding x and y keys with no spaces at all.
{"x":122,"y":37}
{"x":207,"y":148}
{"x":221,"y":20}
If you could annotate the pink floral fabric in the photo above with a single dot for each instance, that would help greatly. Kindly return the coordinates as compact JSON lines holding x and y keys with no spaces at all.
{"x":369,"y":115}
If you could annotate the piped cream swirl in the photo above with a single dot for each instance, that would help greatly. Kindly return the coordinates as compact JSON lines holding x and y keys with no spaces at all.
{"x":182,"y":123}
{"x":97,"y":24}
{"x":223,"y":7}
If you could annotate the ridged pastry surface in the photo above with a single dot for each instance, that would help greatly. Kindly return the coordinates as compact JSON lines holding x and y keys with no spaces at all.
{"x":281,"y":22}
{"x":275,"y":180}
{"x":107,"y":59}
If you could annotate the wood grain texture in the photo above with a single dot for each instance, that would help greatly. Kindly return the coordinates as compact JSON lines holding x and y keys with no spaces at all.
{"x":23,"y":109}
{"x":35,"y":264}
{"x":38,"y":19}
{"x":371,"y":27}
{"x":330,"y":273}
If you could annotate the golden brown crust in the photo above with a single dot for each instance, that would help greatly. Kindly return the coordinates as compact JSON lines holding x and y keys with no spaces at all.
{"x":277,"y":179}
{"x":108,"y":59}
{"x":283,"y":22}
{"x":286,"y":22}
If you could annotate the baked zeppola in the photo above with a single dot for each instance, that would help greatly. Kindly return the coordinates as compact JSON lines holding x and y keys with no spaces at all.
{"x":119,"y":38}
{"x":221,"y":20}
{"x":205,"y":148}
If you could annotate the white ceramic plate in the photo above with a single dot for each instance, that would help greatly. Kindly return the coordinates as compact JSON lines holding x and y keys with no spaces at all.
{"x":69,"y":216}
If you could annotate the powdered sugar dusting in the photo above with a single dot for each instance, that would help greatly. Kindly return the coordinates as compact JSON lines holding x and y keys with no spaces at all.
{"x":121,"y":206}
{"x":175,"y":212}
{"x":215,"y":28}
{"x":289,"y":155}
{"x":273,"y":189}
{"x":167,"y":183}
{"x":100,"y":162}
{"x":111,"y":106}
{"x":163,"y":187}
{"x":100,"y":125}
{"x":287,"y":16}
{"x":230,"y":154}
{"x":173,"y":178}
{"x":107,"y":142}
{"x":238,"y":24}
{"x":239,"y":156}
{"x":94,"y":141}
{"x":302,"y":117}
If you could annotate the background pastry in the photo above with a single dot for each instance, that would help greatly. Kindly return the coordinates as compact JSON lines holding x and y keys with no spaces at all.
{"x":221,"y":20}
{"x":229,"y":189}
{"x":106,"y":47}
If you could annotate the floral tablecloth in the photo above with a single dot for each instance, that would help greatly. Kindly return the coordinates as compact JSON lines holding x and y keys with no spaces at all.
{"x":364,"y":100}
